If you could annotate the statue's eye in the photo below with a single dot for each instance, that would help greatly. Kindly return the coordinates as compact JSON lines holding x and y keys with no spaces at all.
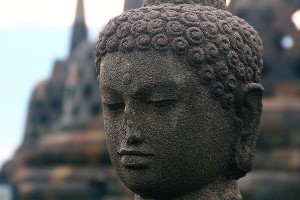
{"x":163,"y":103}
{"x":115,"y":106}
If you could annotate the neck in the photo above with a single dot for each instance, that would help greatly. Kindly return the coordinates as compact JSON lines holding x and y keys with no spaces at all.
{"x":225,"y":189}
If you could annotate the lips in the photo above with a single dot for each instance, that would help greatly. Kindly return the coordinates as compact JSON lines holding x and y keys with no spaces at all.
{"x":135,"y":159}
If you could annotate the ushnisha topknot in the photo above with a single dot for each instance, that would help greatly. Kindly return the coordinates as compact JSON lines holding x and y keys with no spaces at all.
{"x":221,"y":4}
{"x":224,"y":50}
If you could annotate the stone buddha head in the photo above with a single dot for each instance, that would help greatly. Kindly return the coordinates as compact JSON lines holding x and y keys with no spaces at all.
{"x":181,"y":97}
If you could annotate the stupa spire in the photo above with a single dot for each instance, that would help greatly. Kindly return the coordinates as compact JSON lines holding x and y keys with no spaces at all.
{"x":80,"y":14}
{"x":79,"y":32}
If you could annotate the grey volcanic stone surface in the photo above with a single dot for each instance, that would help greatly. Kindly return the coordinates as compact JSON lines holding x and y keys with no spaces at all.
{"x":181,"y":98}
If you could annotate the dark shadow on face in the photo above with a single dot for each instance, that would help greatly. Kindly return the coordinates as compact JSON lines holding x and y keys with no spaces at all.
{"x":163,"y":129}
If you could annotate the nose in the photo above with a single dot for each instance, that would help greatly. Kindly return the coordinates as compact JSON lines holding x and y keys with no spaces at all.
{"x":132,"y":134}
{"x":133,"y":139}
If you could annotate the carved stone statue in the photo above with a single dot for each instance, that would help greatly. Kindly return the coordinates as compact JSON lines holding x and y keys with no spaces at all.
{"x":182,"y":101}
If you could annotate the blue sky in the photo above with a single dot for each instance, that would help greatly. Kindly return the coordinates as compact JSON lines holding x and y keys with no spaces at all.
{"x":31,"y":39}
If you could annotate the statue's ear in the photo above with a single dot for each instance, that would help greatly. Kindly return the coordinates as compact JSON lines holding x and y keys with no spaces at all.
{"x":248,"y":114}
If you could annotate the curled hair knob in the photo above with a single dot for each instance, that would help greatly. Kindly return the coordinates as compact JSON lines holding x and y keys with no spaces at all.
{"x":220,"y":4}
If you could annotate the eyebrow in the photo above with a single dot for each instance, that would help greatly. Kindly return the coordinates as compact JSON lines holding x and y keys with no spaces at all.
{"x":106,"y":92}
{"x":144,"y":90}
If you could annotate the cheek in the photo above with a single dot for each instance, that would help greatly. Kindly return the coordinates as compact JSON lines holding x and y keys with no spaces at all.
{"x":188,"y":131}
{"x":113,"y":131}
{"x":160,"y":125}
{"x":174,"y":134}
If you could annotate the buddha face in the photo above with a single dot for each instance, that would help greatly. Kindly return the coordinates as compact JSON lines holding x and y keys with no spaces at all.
{"x":163,"y":129}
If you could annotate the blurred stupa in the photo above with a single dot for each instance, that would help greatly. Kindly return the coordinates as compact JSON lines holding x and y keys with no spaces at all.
{"x":63,"y":154}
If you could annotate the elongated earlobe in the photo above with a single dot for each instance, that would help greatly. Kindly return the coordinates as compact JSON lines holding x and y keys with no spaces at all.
{"x":248,"y":120}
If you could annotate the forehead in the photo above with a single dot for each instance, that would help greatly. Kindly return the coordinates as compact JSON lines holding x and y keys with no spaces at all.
{"x":136,"y":69}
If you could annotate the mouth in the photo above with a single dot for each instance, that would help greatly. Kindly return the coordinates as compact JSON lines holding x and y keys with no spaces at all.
{"x":133,"y":159}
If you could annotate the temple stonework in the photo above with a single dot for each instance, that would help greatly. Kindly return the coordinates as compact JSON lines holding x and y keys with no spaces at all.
{"x":131,"y":4}
{"x":277,"y":157}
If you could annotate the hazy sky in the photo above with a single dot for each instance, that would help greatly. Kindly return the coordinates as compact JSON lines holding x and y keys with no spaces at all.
{"x":55,"y":13}
{"x":33,"y":33}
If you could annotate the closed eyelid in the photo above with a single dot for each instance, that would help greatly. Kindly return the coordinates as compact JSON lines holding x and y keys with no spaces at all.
{"x":162,"y":98}
{"x":158,"y":92}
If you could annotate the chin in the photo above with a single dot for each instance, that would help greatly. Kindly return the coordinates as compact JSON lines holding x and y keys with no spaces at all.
{"x":162,"y":191}
{"x":155,"y":192}
{"x":141,"y":182}
{"x":153,"y":185}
